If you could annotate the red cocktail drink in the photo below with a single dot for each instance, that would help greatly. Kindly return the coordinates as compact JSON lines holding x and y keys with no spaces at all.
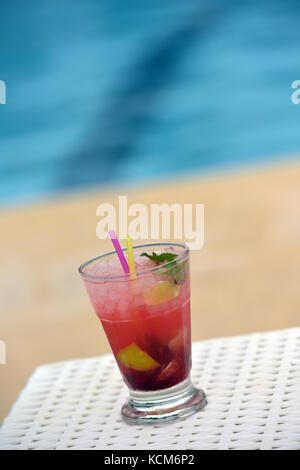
{"x":147,"y":323}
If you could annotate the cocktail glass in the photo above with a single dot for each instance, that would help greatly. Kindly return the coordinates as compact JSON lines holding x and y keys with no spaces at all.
{"x":147,"y":322}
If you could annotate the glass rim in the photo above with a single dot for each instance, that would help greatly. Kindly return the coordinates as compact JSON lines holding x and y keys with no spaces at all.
{"x":127,"y":277}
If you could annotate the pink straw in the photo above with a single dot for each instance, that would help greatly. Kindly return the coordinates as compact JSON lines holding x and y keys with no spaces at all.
{"x":119,"y":251}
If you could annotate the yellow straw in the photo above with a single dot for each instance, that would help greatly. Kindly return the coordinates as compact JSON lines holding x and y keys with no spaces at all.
{"x":130,"y":257}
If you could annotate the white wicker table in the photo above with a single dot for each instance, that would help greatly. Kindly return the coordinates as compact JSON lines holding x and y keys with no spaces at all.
{"x":252,"y":384}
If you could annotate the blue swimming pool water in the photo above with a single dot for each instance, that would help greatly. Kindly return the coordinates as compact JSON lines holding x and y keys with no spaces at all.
{"x":108,"y":92}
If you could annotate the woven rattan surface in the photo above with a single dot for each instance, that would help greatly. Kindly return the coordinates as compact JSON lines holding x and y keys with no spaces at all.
{"x":252,"y":384}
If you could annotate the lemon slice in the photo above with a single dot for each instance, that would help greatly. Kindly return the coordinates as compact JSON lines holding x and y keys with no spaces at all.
{"x":132,"y":356}
{"x":161,"y":292}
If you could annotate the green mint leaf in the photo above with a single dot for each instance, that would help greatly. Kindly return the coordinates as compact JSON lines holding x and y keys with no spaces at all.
{"x":160,"y":258}
{"x":177,"y":272}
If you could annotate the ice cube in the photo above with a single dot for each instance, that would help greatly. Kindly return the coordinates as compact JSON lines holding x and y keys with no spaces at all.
{"x":170,"y":369}
{"x":177,"y":344}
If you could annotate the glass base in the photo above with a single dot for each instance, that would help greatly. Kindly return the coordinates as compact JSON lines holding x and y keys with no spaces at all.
{"x":165,"y":405}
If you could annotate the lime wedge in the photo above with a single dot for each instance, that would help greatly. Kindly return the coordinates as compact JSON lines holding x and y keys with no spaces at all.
{"x":132,"y":356}
{"x":161,"y":292}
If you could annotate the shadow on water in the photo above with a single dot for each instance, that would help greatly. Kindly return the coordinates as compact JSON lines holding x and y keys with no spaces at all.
{"x":133,"y":108}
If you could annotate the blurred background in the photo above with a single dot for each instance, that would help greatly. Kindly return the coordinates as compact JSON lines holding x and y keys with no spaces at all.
{"x":164,"y":102}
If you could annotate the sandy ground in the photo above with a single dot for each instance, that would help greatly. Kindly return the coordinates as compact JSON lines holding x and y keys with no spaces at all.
{"x":245,"y":279}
